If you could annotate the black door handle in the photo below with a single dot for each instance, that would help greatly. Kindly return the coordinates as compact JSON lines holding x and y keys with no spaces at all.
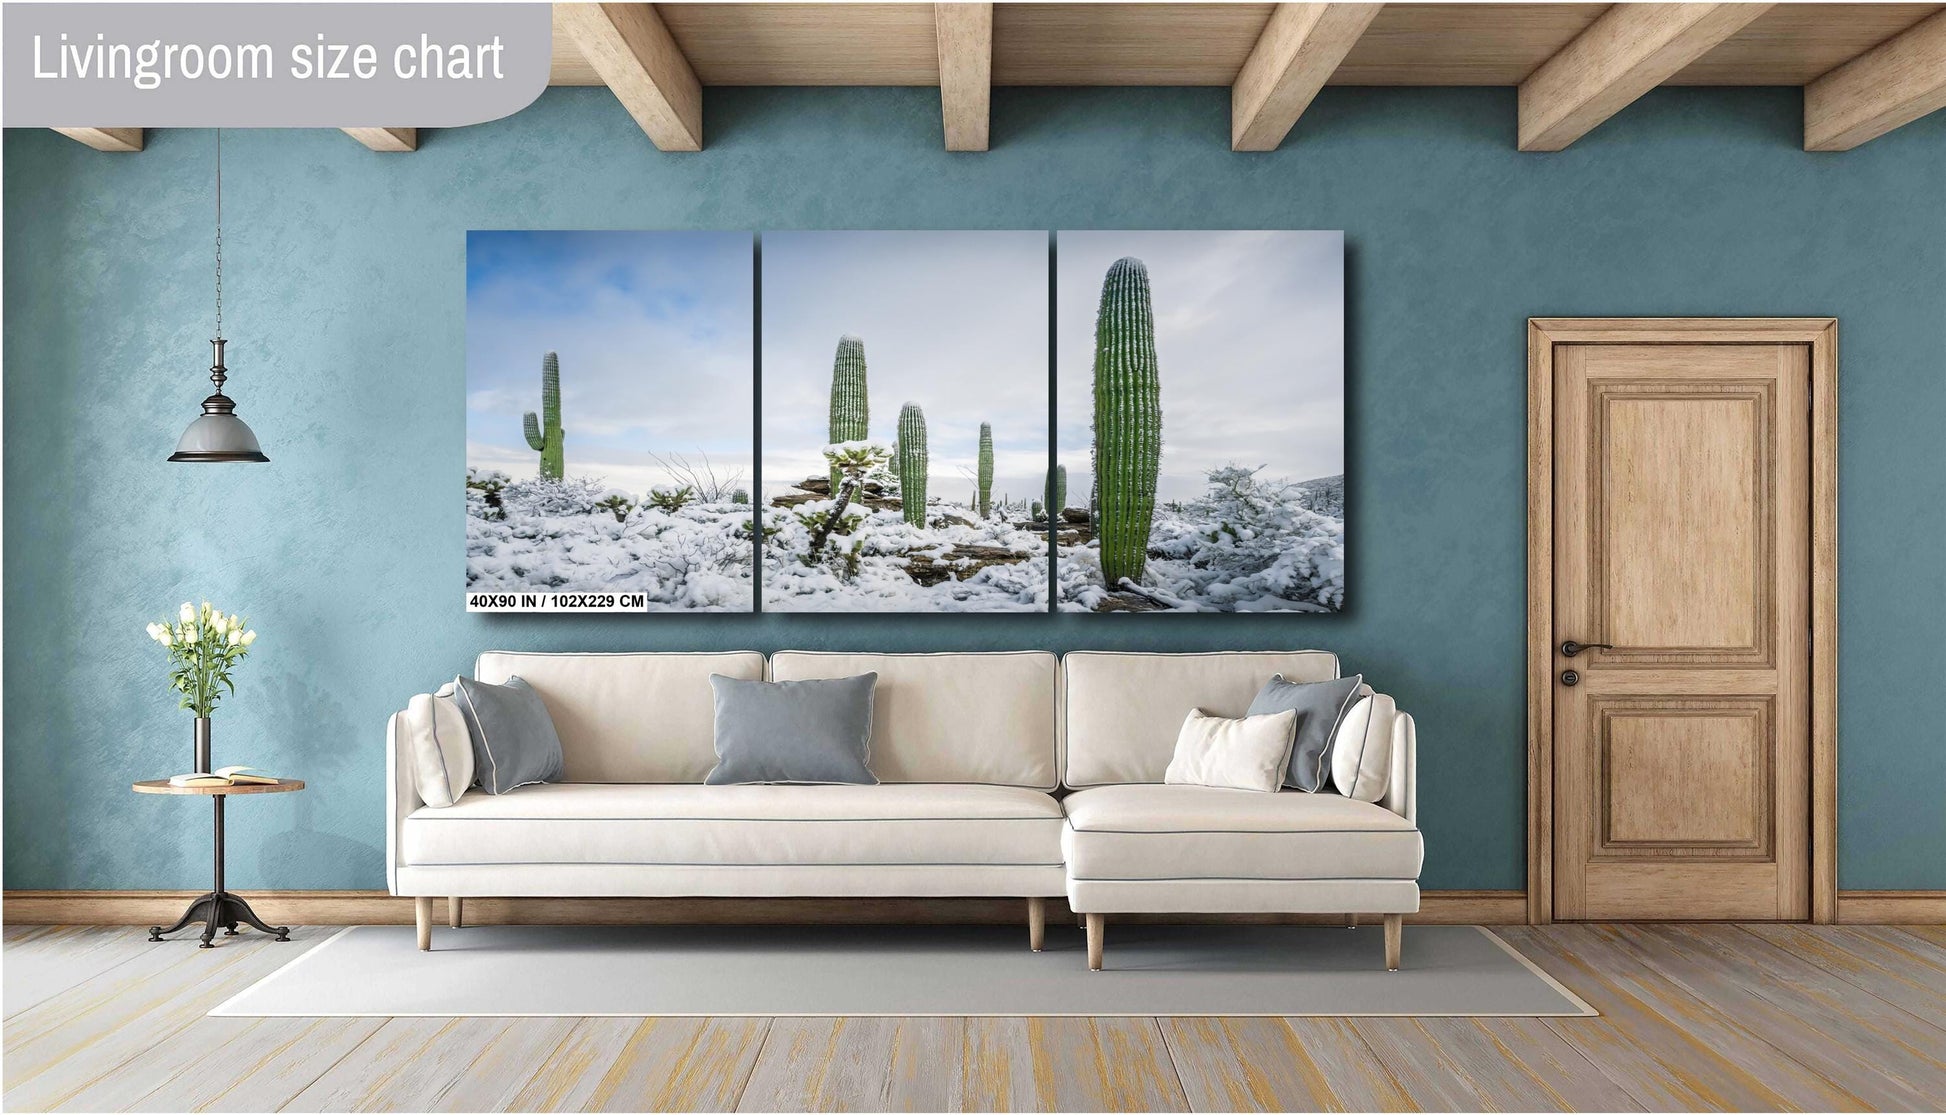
{"x":1571,"y":648}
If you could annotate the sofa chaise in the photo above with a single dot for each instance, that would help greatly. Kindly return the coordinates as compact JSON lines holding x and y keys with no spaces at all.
{"x":1002,"y":774}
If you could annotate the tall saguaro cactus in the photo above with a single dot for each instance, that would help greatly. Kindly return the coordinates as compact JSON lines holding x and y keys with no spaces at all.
{"x":1128,"y":420}
{"x":1057,"y":489}
{"x":851,"y":411}
{"x":912,"y":464}
{"x":986,"y":469}
{"x":544,"y":435}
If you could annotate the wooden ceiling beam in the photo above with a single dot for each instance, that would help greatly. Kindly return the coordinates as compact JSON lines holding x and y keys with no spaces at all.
{"x":965,"y":36}
{"x":640,"y":62}
{"x":1297,"y":53}
{"x":106,"y":139}
{"x":1884,"y":88}
{"x":1630,"y":50}
{"x":385,"y":139}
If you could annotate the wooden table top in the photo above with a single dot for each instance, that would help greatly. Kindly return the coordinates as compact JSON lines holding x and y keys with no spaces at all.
{"x":161,"y":786}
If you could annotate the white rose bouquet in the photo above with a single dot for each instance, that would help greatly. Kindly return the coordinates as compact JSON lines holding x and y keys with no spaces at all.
{"x":204,"y":646}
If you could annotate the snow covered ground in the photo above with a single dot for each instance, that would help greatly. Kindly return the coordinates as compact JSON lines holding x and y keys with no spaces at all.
{"x":1249,"y":544}
{"x":577,"y":536}
{"x":877,"y":562}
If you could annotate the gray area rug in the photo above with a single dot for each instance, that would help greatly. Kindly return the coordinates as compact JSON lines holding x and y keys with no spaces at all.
{"x":904,"y":970}
{"x":1151,"y":970}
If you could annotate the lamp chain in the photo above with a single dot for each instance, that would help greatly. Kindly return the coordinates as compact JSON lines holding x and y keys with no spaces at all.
{"x":219,"y":232}
{"x":217,"y":373}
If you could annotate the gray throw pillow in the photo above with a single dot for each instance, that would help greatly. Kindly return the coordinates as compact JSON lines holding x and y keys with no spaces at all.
{"x":793,"y":731}
{"x":514,"y":743}
{"x":1319,"y":706}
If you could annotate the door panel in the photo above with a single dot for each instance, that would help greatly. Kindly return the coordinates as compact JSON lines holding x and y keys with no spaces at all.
{"x":1681,"y":756}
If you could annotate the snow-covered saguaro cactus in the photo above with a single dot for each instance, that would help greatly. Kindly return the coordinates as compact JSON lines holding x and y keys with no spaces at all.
{"x":986,"y":470}
{"x":1128,"y":420}
{"x":1057,"y":488}
{"x":544,"y":435}
{"x":912,"y":464}
{"x":851,"y":411}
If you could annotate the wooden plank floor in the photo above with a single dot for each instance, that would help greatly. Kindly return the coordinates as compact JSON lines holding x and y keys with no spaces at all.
{"x":1786,"y":1017}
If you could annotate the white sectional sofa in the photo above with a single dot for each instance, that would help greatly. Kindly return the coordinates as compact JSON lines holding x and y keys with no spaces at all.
{"x":1002,"y":774}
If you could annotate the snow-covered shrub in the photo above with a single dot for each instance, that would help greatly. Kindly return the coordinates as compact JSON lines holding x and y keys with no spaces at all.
{"x":1249,"y":542}
{"x":617,"y":503}
{"x":537,"y":498}
{"x":671,"y":499}
{"x":484,"y":489}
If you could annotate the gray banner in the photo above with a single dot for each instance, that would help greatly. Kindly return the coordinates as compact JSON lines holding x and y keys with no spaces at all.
{"x":271,"y":65}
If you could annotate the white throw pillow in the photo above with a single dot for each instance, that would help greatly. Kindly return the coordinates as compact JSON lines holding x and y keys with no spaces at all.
{"x":1245,"y":753}
{"x":1361,"y":752}
{"x":441,"y":750}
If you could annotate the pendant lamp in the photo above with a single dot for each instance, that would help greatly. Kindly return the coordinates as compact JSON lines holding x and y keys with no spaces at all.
{"x":218,"y":435}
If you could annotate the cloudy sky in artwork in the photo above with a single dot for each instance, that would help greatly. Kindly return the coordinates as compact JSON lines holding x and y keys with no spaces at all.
{"x":654,"y":332}
{"x":1250,"y":343}
{"x":954,"y":321}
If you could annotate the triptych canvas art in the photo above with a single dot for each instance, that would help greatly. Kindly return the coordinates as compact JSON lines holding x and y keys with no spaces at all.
{"x":949,"y":421}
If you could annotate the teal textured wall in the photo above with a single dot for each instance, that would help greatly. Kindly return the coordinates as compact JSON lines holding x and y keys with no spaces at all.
{"x":345,"y":308}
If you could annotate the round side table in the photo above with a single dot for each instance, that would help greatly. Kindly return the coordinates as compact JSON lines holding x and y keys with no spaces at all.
{"x":219,"y":906}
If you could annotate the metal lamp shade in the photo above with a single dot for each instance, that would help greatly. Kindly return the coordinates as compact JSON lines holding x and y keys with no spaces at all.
{"x":217,"y":437}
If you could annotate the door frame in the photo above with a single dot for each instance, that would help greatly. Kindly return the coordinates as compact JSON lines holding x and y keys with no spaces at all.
{"x":1821,"y":334}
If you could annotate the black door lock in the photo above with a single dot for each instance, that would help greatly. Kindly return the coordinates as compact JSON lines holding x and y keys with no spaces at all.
{"x":1570,"y":677}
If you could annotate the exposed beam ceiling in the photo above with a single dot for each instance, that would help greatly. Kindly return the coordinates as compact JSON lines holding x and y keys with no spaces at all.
{"x":1206,"y":44}
{"x":106,"y":139}
{"x":1299,"y":50}
{"x":1630,"y":50}
{"x":1795,"y":44}
{"x":637,"y":58}
{"x":1866,"y":67}
{"x":385,"y":139}
{"x":1889,"y":86}
{"x":964,"y":33}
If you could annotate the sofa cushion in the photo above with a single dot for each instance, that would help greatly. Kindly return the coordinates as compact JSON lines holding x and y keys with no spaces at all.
{"x":1196,"y":832}
{"x":1238,"y":753}
{"x":627,"y":717}
{"x":435,"y":737}
{"x":740,"y":826}
{"x":1320,"y":706}
{"x":514,"y":742}
{"x":1361,"y":751}
{"x":1122,"y":710}
{"x":793,"y":732}
{"x":987,"y":717}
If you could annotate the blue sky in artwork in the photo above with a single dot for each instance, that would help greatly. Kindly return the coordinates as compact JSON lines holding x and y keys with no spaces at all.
{"x":1250,"y":348}
{"x":654,"y":332}
{"x":954,"y":321}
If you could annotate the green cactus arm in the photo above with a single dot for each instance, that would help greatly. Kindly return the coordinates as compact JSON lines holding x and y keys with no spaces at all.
{"x":531,"y":426}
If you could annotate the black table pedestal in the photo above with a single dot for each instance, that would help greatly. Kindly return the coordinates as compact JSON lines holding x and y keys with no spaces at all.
{"x":220,"y":907}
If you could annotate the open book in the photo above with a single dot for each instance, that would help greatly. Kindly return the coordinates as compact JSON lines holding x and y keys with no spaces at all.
{"x":228,"y":776}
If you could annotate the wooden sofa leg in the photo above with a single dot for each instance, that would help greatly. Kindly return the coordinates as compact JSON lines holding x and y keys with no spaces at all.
{"x":1394,"y":932}
{"x":1351,"y":921}
{"x":455,"y":907}
{"x":1036,"y":923}
{"x":422,"y":906}
{"x":1095,"y":926}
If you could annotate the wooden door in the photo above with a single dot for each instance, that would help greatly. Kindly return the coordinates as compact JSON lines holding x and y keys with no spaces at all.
{"x":1682,"y":537}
